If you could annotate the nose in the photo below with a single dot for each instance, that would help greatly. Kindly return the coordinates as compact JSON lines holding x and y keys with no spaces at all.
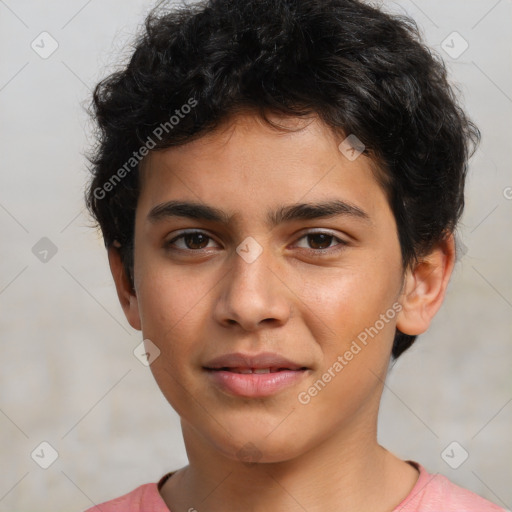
{"x":253,"y":295}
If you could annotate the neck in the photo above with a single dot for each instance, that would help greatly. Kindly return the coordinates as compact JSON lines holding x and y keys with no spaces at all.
{"x":346,"y":472}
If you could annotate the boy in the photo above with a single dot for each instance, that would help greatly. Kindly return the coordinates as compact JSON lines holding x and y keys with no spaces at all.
{"x":278,"y":183}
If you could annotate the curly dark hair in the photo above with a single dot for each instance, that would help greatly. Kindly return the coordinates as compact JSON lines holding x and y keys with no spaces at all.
{"x":361,"y":70}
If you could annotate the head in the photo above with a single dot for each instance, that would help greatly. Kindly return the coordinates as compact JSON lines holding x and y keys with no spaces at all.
{"x":248,"y":106}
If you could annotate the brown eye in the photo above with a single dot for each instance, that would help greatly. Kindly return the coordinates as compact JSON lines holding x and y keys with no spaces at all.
{"x":319,"y":240}
{"x":192,"y":240}
{"x":320,"y":243}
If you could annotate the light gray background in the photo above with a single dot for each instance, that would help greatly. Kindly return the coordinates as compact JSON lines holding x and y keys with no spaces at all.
{"x":68,"y":375}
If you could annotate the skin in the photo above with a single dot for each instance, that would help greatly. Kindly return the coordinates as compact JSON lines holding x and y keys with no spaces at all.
{"x":198,"y":305}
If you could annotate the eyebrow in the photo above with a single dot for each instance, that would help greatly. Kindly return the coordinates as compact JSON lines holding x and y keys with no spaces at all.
{"x":282,"y":214}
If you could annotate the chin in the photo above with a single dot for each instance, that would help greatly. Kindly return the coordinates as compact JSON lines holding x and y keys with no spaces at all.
{"x":259,"y":447}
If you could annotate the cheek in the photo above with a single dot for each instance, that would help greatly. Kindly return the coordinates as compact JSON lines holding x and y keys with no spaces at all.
{"x":167,"y":293}
{"x":352,"y":319}
{"x":168,"y":310}
{"x":347,"y":301}
{"x":173,"y":310}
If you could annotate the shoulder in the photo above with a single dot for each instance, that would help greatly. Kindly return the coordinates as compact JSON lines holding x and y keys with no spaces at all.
{"x":435,"y":493}
{"x":144,"y":498}
{"x":444,"y":492}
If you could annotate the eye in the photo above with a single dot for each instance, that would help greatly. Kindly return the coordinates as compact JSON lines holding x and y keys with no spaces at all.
{"x":320,"y":241}
{"x":190,"y":240}
{"x":194,"y":241}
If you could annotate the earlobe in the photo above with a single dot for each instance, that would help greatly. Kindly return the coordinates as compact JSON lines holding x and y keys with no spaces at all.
{"x":425,"y":288}
{"x":125,"y":293}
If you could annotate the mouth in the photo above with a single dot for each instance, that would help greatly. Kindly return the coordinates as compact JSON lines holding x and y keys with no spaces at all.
{"x":247,"y":370}
{"x":254,"y":375}
{"x":255,"y":382}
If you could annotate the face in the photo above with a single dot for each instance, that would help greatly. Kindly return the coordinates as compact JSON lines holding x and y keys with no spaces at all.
{"x":319,"y":290}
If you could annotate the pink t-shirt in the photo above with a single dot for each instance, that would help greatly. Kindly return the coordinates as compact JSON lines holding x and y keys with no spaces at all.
{"x":432,"y":493}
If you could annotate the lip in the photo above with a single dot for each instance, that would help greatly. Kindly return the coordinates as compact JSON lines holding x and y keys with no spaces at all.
{"x":283,"y":373}
{"x":255,"y":385}
{"x":245,"y":361}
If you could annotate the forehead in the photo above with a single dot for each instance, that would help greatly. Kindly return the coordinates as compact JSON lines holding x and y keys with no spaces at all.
{"x":247,"y":165}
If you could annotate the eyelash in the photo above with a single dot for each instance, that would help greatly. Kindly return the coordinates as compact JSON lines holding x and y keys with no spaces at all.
{"x":316,"y":252}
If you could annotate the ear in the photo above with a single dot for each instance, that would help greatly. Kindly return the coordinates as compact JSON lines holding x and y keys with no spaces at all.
{"x":127,"y":296}
{"x":425,"y":287}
